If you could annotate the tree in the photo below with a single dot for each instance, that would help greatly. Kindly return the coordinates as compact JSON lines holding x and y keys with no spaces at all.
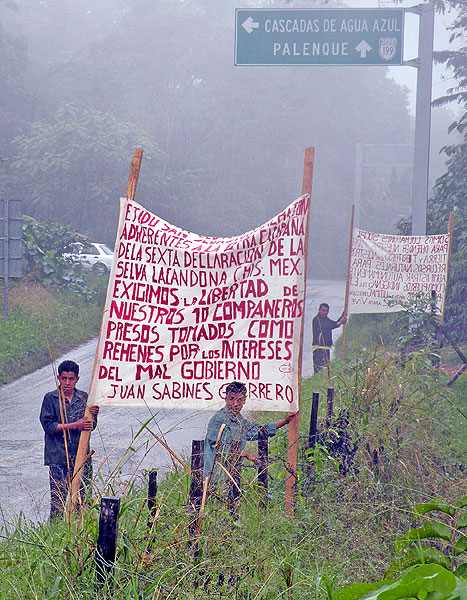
{"x":75,"y":168}
{"x":456,"y":60}
{"x":450,"y":190}
{"x":44,"y":245}
{"x":16,"y":100}
{"x":450,"y":193}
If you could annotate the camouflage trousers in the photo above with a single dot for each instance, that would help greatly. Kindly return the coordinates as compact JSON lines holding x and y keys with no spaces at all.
{"x":59,"y":479}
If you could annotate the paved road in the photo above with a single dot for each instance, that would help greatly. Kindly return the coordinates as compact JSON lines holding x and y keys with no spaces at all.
{"x":23,"y":478}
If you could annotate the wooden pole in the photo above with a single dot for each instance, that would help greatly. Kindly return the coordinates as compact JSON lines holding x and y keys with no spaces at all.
{"x":106,"y":547}
{"x":86,"y":435}
{"x":330,"y":411}
{"x":152,"y":493}
{"x":203,"y":504}
{"x":134,"y":174}
{"x":456,"y":375}
{"x":347,"y":279}
{"x":196,"y":491}
{"x":292,"y":452}
{"x":263,"y":471}
{"x":197,"y":465}
{"x":313,"y":421}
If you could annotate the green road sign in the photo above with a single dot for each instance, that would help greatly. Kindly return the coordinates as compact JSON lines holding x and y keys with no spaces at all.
{"x":357,"y":36}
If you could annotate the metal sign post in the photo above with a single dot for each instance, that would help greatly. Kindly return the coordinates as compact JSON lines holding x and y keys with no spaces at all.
{"x":424,"y":63}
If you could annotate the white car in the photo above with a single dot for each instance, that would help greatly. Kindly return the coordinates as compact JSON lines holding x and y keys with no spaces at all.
{"x":93,"y":256}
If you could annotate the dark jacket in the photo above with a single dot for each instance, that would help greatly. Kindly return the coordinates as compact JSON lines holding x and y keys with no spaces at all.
{"x":50,"y":417}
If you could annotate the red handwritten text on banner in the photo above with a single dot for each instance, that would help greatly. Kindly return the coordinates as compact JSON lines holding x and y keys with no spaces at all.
{"x":185,"y":314}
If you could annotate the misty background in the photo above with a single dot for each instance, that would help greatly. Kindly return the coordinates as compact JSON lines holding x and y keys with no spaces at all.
{"x":84,"y":82}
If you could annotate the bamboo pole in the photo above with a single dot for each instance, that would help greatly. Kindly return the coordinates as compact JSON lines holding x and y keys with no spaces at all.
{"x":86,"y":435}
{"x":292,"y":452}
{"x":347,"y":279}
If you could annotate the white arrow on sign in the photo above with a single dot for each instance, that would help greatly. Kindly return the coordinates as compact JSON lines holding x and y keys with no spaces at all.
{"x":249,"y":25}
{"x":363,"y":48}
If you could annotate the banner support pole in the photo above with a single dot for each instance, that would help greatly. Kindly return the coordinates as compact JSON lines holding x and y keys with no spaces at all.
{"x":134,"y":174}
{"x":347,"y":279}
{"x":85,"y":436}
{"x":292,"y":445}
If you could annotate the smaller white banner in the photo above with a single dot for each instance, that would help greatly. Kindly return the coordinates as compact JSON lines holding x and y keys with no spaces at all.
{"x":397,"y":267}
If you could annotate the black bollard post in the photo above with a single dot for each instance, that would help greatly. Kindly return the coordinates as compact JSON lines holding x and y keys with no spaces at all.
{"x":197,"y":464}
{"x":330,"y":398}
{"x":152,"y":493}
{"x":235,"y":465}
{"x":196,"y":491}
{"x":313,"y":421}
{"x":263,"y":472}
{"x":106,"y":547}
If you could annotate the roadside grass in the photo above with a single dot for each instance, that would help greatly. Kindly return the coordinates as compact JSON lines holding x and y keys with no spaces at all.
{"x":411,"y":437}
{"x":40,"y":318}
{"x":368,"y":330}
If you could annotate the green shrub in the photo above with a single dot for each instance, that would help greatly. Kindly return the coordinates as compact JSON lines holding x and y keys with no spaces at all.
{"x":44,"y":245}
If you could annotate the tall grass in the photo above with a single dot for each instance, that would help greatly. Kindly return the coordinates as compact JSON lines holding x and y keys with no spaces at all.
{"x":39,"y":317}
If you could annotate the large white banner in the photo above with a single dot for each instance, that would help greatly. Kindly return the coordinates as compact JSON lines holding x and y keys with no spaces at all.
{"x":185,"y":315}
{"x":396,"y":267}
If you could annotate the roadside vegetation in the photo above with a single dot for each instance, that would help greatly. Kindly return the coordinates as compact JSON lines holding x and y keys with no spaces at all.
{"x":396,"y":441}
{"x":44,"y":323}
{"x":55,"y":306}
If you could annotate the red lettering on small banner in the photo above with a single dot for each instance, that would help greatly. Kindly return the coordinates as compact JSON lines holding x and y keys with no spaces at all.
{"x":185,"y":314}
{"x":396,"y":267}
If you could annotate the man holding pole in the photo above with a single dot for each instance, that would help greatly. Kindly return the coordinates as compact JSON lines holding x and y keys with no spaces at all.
{"x":62,"y":418}
{"x":322,"y":336}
